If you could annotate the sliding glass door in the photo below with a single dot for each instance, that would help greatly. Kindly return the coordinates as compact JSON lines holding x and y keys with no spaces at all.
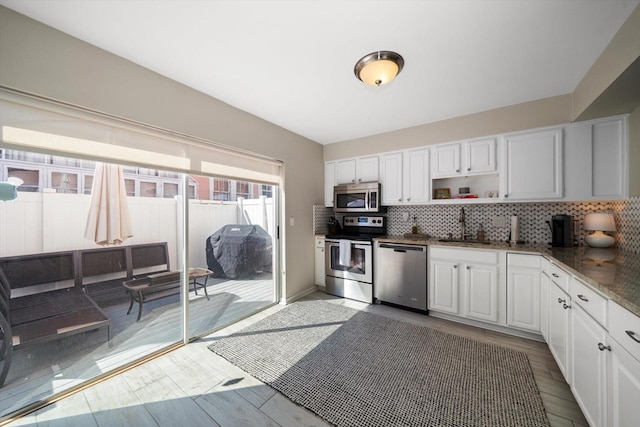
{"x":232,"y":251}
{"x":124,"y":298}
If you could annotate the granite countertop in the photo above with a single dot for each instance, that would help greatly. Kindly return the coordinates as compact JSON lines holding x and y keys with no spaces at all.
{"x":614,"y":273}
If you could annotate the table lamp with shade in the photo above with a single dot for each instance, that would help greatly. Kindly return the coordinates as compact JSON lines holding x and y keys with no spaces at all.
{"x":599,"y":222}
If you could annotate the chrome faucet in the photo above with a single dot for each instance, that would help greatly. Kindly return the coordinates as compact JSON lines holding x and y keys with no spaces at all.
{"x":462,"y":221}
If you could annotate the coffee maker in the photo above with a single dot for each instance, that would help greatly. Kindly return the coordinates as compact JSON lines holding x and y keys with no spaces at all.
{"x":561,"y":230}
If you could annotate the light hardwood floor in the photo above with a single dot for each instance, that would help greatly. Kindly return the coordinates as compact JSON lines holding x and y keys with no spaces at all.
{"x":193,"y":386}
{"x":39,"y":371}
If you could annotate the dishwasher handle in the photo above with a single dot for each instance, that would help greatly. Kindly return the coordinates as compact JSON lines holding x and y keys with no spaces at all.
{"x":402,"y":248}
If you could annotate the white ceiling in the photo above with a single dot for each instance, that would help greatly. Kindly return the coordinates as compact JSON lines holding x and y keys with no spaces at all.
{"x":291,"y":62}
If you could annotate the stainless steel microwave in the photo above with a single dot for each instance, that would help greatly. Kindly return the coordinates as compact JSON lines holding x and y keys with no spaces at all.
{"x":362,"y":197}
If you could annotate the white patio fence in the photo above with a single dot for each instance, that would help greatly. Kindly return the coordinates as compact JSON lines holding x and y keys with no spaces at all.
{"x":49,"y":222}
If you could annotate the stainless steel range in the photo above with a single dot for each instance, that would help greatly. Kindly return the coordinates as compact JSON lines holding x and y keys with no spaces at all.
{"x":349,"y":257}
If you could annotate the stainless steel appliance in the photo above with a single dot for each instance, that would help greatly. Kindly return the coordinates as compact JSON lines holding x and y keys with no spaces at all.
{"x":400,"y":274}
{"x":362,"y":197}
{"x":349,"y":257}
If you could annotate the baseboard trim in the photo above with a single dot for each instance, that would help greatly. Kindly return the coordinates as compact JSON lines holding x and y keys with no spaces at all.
{"x":301,"y":294}
{"x":497,"y":328}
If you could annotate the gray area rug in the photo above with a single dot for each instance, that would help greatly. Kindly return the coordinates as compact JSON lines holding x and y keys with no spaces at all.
{"x":359,"y":369}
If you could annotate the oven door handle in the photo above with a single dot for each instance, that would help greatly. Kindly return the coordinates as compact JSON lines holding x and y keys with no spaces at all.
{"x":354,"y":245}
{"x":362,"y":246}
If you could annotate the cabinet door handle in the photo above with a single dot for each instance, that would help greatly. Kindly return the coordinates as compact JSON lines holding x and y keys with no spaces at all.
{"x":468,"y":268}
{"x":560,"y":300}
{"x":455,"y":266}
{"x":468,"y":169}
{"x":583,"y":298}
{"x":408,"y":199}
{"x":632,"y":335}
{"x":555,"y":275}
{"x":565,"y":306}
{"x":399,"y":200}
{"x":457,"y":170}
{"x":506,"y":195}
{"x":603,"y":347}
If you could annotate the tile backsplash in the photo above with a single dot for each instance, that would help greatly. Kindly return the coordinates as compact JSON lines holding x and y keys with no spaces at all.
{"x":440,"y":220}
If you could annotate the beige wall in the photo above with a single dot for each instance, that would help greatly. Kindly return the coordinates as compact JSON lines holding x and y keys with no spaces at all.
{"x":529,"y":115}
{"x":40,"y":60}
{"x":621,"y":52}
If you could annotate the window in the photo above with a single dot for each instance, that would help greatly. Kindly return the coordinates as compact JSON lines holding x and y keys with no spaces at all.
{"x":242,"y":189}
{"x":266,"y":190}
{"x":64,"y":182}
{"x":169,"y":190}
{"x":148,"y":189}
{"x":221,"y":189}
{"x":30,"y":177}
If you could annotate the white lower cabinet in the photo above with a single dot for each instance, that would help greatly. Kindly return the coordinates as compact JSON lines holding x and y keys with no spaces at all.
{"x":544,"y":305}
{"x":623,"y":368}
{"x":589,"y":352}
{"x":443,"y":286}
{"x":558,"y":340}
{"x":464,"y":282}
{"x":523,"y":291}
{"x":481,"y":292}
{"x":623,"y":387}
{"x":319,"y":261}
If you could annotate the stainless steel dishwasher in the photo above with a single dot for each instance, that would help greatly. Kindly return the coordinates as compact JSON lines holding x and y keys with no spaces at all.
{"x":400,"y":274}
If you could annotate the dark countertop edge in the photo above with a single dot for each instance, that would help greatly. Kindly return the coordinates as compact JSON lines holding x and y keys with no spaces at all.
{"x":535,"y":249}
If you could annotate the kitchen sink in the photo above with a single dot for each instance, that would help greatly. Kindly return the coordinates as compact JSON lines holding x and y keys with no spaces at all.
{"x":480,"y":242}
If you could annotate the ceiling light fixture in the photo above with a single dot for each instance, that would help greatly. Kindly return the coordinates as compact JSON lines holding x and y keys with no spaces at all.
{"x":378,"y":68}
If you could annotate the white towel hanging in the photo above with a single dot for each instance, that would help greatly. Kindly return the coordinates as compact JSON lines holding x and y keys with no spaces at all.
{"x":345,"y":253}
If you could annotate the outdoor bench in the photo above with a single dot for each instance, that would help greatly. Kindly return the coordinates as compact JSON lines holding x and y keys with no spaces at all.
{"x":44,"y":315}
{"x":47,"y":296}
{"x":101,"y":271}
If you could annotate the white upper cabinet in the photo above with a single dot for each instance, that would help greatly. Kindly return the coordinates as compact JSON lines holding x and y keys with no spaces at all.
{"x":349,"y":171}
{"x":367,"y":169}
{"x":596,"y":160}
{"x":346,"y":171}
{"x":479,"y":156}
{"x":445,"y":160}
{"x":352,"y":171}
{"x":578,"y":161}
{"x":533,"y":165}
{"x":391,"y":170}
{"x":404,"y":177}
{"x":417,"y":188}
{"x":464,"y":158}
{"x":329,"y":183}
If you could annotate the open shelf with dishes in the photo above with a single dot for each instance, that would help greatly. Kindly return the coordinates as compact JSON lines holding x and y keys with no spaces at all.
{"x":480,"y":188}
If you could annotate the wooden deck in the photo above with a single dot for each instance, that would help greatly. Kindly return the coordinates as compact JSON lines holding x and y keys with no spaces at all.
{"x":42,"y":370}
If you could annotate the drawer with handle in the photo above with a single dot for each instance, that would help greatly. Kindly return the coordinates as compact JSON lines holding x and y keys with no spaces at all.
{"x":560,"y":277}
{"x":593,"y":303}
{"x":624,"y":327}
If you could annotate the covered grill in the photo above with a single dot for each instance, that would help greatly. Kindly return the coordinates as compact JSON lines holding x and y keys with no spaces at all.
{"x":239,"y":251}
